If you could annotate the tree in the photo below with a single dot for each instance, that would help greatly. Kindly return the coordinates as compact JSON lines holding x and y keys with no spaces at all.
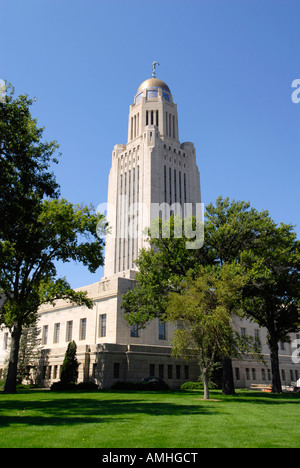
{"x":28,"y":353}
{"x":161,"y":269}
{"x":204,"y":308}
{"x":230,"y":228}
{"x":37,"y":228}
{"x":69,"y":371}
{"x":272,"y":294}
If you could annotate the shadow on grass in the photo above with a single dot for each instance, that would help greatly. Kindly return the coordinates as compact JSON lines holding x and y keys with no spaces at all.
{"x":253,"y":397}
{"x":76,"y":410}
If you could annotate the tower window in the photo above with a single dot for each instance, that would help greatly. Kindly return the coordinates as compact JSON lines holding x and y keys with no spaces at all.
{"x":175,"y":191}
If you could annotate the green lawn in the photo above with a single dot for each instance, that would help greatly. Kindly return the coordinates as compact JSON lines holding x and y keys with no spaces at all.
{"x":115,"y":419}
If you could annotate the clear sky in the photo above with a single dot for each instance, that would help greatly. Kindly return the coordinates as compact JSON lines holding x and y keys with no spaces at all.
{"x":229,"y":64}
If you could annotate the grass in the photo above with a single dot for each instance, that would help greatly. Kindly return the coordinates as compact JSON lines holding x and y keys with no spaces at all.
{"x":116,"y":419}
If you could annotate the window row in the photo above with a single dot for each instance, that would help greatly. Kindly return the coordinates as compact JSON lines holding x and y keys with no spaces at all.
{"x":175,"y":187}
{"x":69,"y":331}
{"x":162,"y":371}
{"x":251,"y":374}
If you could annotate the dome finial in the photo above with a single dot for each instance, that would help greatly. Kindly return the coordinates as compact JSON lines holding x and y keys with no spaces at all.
{"x":153,"y":69}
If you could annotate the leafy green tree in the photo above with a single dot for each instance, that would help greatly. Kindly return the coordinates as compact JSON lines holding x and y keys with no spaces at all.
{"x":160,"y":271}
{"x":69,"y":371}
{"x":232,"y":227}
{"x":37,"y":228}
{"x":272,"y":294}
{"x":204,"y":308}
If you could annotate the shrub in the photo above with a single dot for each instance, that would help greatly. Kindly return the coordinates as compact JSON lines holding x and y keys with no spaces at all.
{"x":192,"y":386}
{"x":87,"y":386}
{"x":69,"y":371}
{"x":150,"y":383}
{"x":69,"y":386}
{"x":63,"y":386}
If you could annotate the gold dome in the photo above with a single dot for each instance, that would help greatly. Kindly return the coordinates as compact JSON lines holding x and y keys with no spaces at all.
{"x":153,"y":83}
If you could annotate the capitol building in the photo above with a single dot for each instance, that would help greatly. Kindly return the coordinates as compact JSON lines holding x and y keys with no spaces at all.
{"x":152,"y":169}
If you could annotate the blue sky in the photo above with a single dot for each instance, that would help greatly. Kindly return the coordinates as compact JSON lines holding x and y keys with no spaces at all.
{"x":229,"y":64}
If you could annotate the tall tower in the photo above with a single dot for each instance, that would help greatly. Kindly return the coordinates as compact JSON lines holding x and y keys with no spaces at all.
{"x":152,"y":169}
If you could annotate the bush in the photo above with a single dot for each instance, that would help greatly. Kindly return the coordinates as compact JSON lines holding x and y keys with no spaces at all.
{"x":192,"y":386}
{"x":27,"y":386}
{"x":150,"y":383}
{"x":90,"y":386}
{"x":62,"y":386}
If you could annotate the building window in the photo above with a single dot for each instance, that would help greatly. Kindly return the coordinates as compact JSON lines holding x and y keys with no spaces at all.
{"x":116,"y":370}
{"x":45,"y":334}
{"x":102,"y":325}
{"x":69,"y":330}
{"x":161,"y":330}
{"x":256,"y":336}
{"x":175,"y":188}
{"x":56,"y":333}
{"x":283,"y":374}
{"x":55,"y":372}
{"x":134,"y":331}
{"x":161,"y":371}
{"x":177,"y":372}
{"x":152,"y":370}
{"x":243,"y":331}
{"x":5,"y":341}
{"x":186,"y":372}
{"x":170,"y":371}
{"x":237,"y":373}
{"x":170,"y":185}
{"x":247,"y":373}
{"x":82,"y":329}
{"x":253,"y":374}
{"x":263,"y":374}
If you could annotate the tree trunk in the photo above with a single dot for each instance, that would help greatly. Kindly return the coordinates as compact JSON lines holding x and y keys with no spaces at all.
{"x":276,"y":381}
{"x":227,"y":377}
{"x":11,"y":379}
{"x":206,"y":387}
